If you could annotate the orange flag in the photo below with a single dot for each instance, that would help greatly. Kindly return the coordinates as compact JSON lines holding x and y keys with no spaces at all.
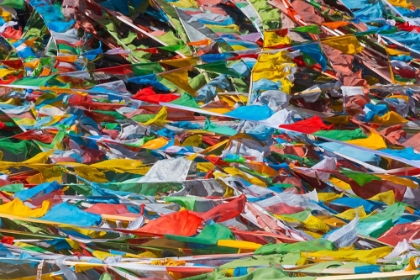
{"x":335,"y":24}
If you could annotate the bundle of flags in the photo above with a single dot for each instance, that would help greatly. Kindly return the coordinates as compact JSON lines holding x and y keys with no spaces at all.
{"x":208,"y":139}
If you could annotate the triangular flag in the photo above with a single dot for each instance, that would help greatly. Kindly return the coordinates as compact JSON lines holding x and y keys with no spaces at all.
{"x":180,"y":79}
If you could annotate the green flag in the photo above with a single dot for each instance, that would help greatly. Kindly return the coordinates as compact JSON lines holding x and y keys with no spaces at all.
{"x":373,"y":228}
{"x":392,"y":212}
{"x":34,"y":81}
{"x":224,"y":130}
{"x":360,"y":178}
{"x":17,"y":4}
{"x":187,"y":202}
{"x":304,"y":246}
{"x":172,"y":48}
{"x":186,"y":100}
{"x":13,"y":188}
{"x":142,"y":69}
{"x":313,"y":29}
{"x":106,"y":276}
{"x":17,"y":148}
{"x":309,"y":60}
{"x":342,"y":135}
{"x":198,"y":81}
{"x":219,"y":67}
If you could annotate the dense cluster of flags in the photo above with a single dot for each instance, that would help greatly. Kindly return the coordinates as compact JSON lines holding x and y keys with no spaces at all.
{"x":209,"y":139}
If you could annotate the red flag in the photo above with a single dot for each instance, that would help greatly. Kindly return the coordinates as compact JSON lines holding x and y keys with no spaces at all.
{"x":400,"y":232}
{"x":283,"y":208}
{"x":308,"y":126}
{"x":183,"y":223}
{"x":11,"y":33}
{"x":150,"y":96}
{"x":33,"y":135}
{"x":15,"y":64}
{"x":225,"y":211}
{"x":53,"y":197}
{"x":375,"y":187}
{"x":104,"y":208}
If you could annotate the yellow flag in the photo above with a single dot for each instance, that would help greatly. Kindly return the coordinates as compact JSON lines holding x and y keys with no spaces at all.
{"x":37,"y":162}
{"x":159,"y":119}
{"x":365,"y":256}
{"x":229,"y":192}
{"x":122,"y":166}
{"x":219,"y":175}
{"x":32,"y":64}
{"x":233,"y":27}
{"x":218,"y":110}
{"x":333,"y":221}
{"x":205,"y":166}
{"x":254,"y":180}
{"x":25,"y":121}
{"x":52,"y":174}
{"x":211,"y":150}
{"x":396,"y":52}
{"x":17,"y":208}
{"x":191,"y":157}
{"x":347,"y":44}
{"x":118,"y":165}
{"x":404,"y":97}
{"x":401,"y":3}
{"x":7,"y":16}
{"x":339,"y":183}
{"x":245,"y":245}
{"x":80,"y":267}
{"x":186,"y":4}
{"x":227,"y":99}
{"x":328,"y":197}
{"x":375,"y":141}
{"x":91,"y":174}
{"x":101,"y":254}
{"x":312,"y":223}
{"x":193,"y":140}
{"x":10,"y":101}
{"x":399,"y":180}
{"x":54,"y":119}
{"x":87,"y":232}
{"x":389,"y":118}
{"x":36,"y":179}
{"x":72,"y":243}
{"x":386,"y":197}
{"x":267,"y":61}
{"x":4,"y":72}
{"x":155,"y":143}
{"x":181,"y":62}
{"x":350,"y":214}
{"x":180,"y":79}
{"x":275,"y":67}
{"x":272,"y":39}
{"x":39,"y":158}
{"x":286,"y":85}
{"x":239,"y":48}
{"x":280,"y":72}
{"x":263,"y":169}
